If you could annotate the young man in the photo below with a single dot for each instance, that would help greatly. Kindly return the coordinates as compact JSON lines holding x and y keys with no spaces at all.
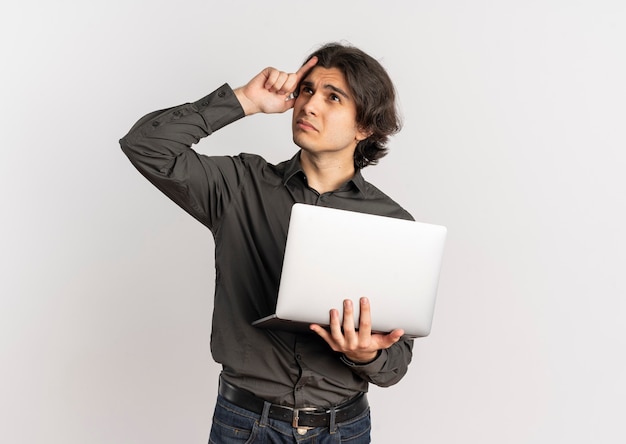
{"x":279,"y":386}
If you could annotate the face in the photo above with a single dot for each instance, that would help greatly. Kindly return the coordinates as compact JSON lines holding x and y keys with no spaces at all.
{"x":324,"y":115}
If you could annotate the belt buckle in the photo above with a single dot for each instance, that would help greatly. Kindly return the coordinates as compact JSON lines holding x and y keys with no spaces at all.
{"x":296,"y":417}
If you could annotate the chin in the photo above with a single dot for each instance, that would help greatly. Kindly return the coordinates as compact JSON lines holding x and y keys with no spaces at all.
{"x":297,"y":139}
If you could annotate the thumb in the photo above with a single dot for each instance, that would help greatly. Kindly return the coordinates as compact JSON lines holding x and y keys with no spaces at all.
{"x":290,"y":102}
{"x":392,"y":338}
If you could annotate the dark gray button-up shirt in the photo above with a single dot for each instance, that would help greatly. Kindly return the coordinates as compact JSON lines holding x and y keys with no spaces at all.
{"x":246,"y":203}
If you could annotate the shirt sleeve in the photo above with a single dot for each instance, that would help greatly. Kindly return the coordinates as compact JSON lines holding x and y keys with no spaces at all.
{"x":389,"y":367}
{"x":159,"y":146}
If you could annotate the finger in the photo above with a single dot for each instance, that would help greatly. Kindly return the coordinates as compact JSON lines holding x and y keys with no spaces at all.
{"x":293,"y":79}
{"x":348,"y":316}
{"x":391,"y":338}
{"x":396,"y":334}
{"x":304,"y":69}
{"x":271,"y":75}
{"x":365,"y":319}
{"x":335,"y":326}
{"x":321,"y":331}
{"x":290,"y":84}
{"x":289,"y":102}
{"x":350,"y":336}
{"x":277,"y":87}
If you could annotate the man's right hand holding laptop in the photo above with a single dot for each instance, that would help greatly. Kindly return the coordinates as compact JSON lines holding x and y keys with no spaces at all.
{"x":360,"y":346}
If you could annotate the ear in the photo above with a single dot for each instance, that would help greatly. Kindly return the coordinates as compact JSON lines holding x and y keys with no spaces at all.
{"x":363,"y":134}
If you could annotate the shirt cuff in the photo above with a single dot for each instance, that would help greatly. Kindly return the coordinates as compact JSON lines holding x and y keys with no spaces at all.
{"x":373,"y":366}
{"x":219,"y":108}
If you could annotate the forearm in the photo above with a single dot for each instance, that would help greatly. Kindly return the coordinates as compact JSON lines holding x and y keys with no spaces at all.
{"x":159,"y":146}
{"x":159,"y":137}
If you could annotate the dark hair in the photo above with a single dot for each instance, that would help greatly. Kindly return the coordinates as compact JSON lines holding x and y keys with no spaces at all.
{"x":374,"y":95}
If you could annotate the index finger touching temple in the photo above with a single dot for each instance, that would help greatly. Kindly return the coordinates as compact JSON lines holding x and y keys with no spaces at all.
{"x":304,"y":69}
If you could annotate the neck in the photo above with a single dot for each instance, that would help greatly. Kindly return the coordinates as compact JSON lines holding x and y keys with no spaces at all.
{"x":326,"y":174}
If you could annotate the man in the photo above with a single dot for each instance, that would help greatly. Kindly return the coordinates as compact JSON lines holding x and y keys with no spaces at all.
{"x":279,"y":386}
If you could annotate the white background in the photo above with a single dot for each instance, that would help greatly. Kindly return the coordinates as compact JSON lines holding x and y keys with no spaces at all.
{"x":514,"y":139}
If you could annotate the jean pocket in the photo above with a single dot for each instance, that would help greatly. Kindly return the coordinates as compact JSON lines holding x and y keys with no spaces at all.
{"x":231,"y":426}
{"x":226,"y":434}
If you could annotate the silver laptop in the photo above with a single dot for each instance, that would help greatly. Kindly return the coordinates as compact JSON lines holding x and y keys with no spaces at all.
{"x":332,"y":255}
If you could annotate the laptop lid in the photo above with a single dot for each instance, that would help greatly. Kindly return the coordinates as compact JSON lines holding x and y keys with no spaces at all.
{"x":333,"y":254}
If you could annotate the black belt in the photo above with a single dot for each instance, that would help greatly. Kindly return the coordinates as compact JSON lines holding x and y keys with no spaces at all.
{"x":305,"y":417}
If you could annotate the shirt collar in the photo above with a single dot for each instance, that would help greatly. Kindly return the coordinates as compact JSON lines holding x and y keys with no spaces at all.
{"x":293,"y":167}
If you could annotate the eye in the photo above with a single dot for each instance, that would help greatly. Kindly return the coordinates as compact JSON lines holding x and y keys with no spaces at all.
{"x":335,"y":98}
{"x":306,"y":90}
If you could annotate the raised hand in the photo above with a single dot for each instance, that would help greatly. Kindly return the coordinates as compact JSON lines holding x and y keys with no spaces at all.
{"x":358,"y":346}
{"x":270,"y":90}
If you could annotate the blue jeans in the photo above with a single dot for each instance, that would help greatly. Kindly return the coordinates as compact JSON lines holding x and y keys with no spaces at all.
{"x":234,"y":425}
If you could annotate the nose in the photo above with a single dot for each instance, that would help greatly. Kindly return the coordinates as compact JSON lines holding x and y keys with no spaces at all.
{"x":311,"y":104}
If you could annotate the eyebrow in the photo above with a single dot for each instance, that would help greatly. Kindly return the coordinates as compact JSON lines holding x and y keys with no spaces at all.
{"x":328,"y":86}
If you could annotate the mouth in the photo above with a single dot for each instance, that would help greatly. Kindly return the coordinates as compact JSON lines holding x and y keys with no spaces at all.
{"x":305,"y":125}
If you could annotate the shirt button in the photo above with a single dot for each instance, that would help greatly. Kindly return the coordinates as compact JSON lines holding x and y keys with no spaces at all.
{"x":221,"y":94}
{"x":177,"y":113}
{"x":299,"y":357}
{"x":205,"y":103}
{"x":155,"y":124}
